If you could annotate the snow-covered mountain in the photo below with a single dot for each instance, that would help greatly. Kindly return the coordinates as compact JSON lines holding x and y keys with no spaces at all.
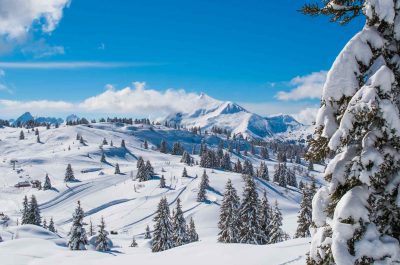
{"x":231,"y":116}
{"x":27,"y":117}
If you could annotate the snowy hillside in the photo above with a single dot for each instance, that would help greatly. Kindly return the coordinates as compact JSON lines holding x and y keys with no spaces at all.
{"x":127,"y":205}
{"x":234,"y":118}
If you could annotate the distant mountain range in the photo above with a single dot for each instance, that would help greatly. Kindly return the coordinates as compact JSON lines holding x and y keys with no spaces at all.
{"x":233,"y":117}
{"x":206,"y":113}
{"x":27,"y":117}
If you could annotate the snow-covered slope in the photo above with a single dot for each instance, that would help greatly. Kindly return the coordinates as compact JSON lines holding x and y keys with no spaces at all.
{"x":234,"y":118}
{"x":127,"y":206}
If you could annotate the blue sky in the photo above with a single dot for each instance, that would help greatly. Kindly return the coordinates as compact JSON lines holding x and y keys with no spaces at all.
{"x":243,"y":51}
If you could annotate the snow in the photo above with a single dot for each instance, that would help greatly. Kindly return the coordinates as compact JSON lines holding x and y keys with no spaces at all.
{"x":234,"y":118}
{"x":103,"y":194}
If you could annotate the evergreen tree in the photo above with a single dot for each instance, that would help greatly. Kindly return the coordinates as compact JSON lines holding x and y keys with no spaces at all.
{"x":186,"y":158}
{"x":163,"y":230}
{"x":238,"y":167}
{"x":276,"y":234}
{"x":264,"y":153}
{"x":204,"y":184}
{"x":193,"y":236}
{"x":78,"y":239}
{"x":163,"y":147}
{"x":248,"y":168}
{"x":117,"y":171}
{"x":47,"y":183}
{"x":22,"y":135}
{"x":91,"y":229}
{"x":263,"y":171}
{"x":147,"y":235}
{"x":123,"y":144}
{"x":44,"y":225}
{"x":149,"y":169}
{"x":304,"y":218}
{"x":105,"y":141}
{"x":145,"y":144}
{"x":277,"y":173}
{"x":226,"y":162}
{"x":250,"y":228}
{"x":162,"y":182}
{"x":25,"y":211}
{"x":134,"y":243}
{"x":184,"y":173}
{"x":283,"y":176}
{"x":265,"y":215}
{"x":103,"y":158}
{"x":180,"y":236}
{"x":229,"y":213}
{"x":69,"y":174}
{"x":38,"y":139}
{"x":51,"y":226}
{"x":140,"y":162}
{"x":102,"y":237}
{"x":33,"y":216}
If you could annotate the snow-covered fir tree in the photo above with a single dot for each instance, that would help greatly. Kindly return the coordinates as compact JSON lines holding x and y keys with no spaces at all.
{"x":276,"y":233}
{"x":262,"y":171}
{"x":133,"y":244}
{"x":69,"y":174}
{"x":248,"y":168}
{"x":91,"y":228}
{"x":44,"y":223}
{"x":304,"y":217}
{"x":47,"y":183}
{"x":146,"y":145}
{"x":225,"y":162}
{"x":25,"y":211}
{"x":228,"y":224}
{"x":238,"y":167}
{"x":51,"y":227}
{"x":265,"y":215}
{"x":250,"y":228}
{"x":204,"y":184}
{"x":22,"y":135}
{"x":193,"y":236}
{"x":163,"y":147}
{"x":147,"y":234}
{"x":186,"y":158}
{"x":102,"y":237}
{"x":264,"y":153}
{"x":184,"y":173}
{"x":358,"y":126}
{"x":162,"y":182}
{"x":77,"y":235}
{"x":123,"y":145}
{"x":33,"y":216}
{"x":180,"y":235}
{"x":163,"y":230}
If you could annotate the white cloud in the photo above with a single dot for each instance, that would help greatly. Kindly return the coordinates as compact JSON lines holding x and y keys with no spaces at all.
{"x":18,"y":17}
{"x":135,"y":101}
{"x":304,"y":87}
{"x":306,"y":116}
{"x":71,"y":65}
{"x":139,"y":100}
